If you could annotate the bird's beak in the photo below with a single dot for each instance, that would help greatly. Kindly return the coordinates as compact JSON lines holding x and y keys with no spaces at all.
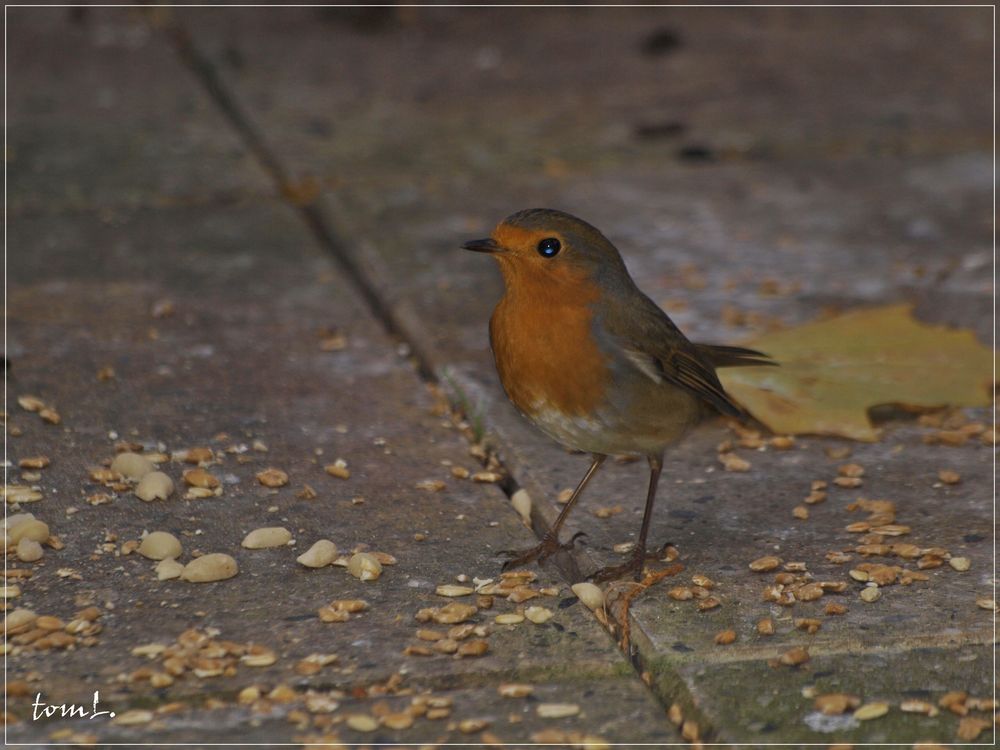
{"x":487,"y":245}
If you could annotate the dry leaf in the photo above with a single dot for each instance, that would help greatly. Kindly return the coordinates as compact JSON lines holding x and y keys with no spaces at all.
{"x":832,"y":371}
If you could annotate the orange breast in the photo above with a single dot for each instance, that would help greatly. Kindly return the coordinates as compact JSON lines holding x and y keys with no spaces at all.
{"x":543,"y":345}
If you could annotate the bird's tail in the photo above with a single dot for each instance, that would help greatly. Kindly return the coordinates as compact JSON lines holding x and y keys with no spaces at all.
{"x":734,"y":356}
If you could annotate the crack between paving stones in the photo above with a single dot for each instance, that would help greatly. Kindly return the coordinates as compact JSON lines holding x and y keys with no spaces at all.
{"x":330,"y":240}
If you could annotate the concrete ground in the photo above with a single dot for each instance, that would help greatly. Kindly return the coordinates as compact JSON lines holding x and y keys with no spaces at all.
{"x":238,"y":229}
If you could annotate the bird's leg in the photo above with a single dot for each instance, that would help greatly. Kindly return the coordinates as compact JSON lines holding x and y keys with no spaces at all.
{"x":550,"y":542}
{"x":637,"y":558}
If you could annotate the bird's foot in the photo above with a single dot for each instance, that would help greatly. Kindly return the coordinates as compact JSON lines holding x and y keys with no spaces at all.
{"x":633,"y":566}
{"x":549,"y":546}
{"x":636,"y":563}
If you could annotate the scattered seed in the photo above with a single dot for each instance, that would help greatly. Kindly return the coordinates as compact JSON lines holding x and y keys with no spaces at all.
{"x":515,"y":689}
{"x":871,"y":594}
{"x":321,"y":554}
{"x":809,"y":592}
{"x":590,"y":594}
{"x":168,"y":569}
{"x":725,"y":637}
{"x":34,"y":462}
{"x":794,"y":656}
{"x":690,"y":730}
{"x":914,"y":706}
{"x":133,"y":717}
{"x":732,"y":462}
{"x":469,"y":726}
{"x":764,"y":564}
{"x":871,"y":711}
{"x":681,"y":593}
{"x":556,"y":710}
{"x":362,"y":723}
{"x":154,"y":486}
{"x":50,"y":415}
{"x":947,"y":476}
{"x":800,"y":512}
{"x":27,"y":528}
{"x":476,"y":647}
{"x":338,"y":469}
{"x":521,"y":501}
{"x":538,"y":615}
{"x":261,"y":658}
{"x":397,"y":721}
{"x":365,"y":566}
{"x":28,"y":550}
{"x":675,"y":715}
{"x":201,"y":479}
{"x":216,"y":566}
{"x":833,"y":608}
{"x":960,"y":563}
{"x":452,"y":613}
{"x":765,"y":626}
{"x":487,"y":477}
{"x":984,"y":602}
{"x":159,"y":545}
{"x":808,"y":624}
{"x":848,"y":482}
{"x":710,"y":603}
{"x":452,"y":590}
{"x":132,"y":465}
{"x":431,"y":485}
{"x":970,"y":727}
{"x":267,"y":537}
{"x":272,"y":477}
{"x":509,"y":618}
{"x":30,"y":403}
{"x":834,"y":704}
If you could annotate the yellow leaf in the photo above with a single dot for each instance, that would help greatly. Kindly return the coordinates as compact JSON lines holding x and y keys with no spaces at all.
{"x":832,"y":371}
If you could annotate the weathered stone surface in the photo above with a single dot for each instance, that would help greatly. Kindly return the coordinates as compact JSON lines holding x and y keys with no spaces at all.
{"x":751,"y":179}
{"x":754,"y":164}
{"x":214,"y":320}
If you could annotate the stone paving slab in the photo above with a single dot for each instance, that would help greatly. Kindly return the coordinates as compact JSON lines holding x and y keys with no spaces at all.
{"x":243,"y":358}
{"x":821,"y":195}
{"x":124,"y":127}
{"x":239,"y":359}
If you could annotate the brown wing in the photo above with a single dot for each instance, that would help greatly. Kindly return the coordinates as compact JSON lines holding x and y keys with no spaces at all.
{"x":651,"y":342}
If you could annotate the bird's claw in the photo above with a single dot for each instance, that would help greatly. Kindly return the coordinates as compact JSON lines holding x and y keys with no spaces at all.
{"x":635,"y":565}
{"x":541,"y":552}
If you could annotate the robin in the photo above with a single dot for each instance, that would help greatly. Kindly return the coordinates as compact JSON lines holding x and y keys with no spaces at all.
{"x":592,"y":361}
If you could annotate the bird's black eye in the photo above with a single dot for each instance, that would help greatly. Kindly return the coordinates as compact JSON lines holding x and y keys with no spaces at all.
{"x":549,"y":247}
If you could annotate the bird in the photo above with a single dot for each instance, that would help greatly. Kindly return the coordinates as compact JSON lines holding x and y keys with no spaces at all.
{"x":592,"y":361}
